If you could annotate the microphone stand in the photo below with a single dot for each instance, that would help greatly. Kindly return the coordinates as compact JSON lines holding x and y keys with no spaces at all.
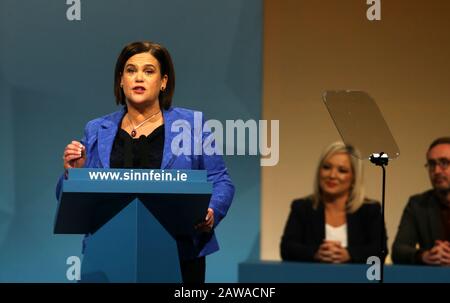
{"x":382,"y":160}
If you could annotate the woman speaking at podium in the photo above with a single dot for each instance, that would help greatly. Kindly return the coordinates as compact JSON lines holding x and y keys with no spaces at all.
{"x":139,"y":136}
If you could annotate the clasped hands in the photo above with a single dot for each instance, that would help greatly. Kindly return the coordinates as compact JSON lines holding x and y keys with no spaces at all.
{"x":438,"y":255}
{"x":332,"y":252}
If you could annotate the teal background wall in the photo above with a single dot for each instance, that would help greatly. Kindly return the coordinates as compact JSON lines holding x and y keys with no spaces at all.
{"x":55,"y":75}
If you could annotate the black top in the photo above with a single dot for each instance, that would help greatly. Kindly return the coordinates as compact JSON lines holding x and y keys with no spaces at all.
{"x":142,"y":152}
{"x":305,"y":231}
{"x":445,"y":217}
{"x":421,"y":223}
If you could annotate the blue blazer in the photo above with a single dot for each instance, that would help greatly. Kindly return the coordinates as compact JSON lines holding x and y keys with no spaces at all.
{"x":99,"y":137}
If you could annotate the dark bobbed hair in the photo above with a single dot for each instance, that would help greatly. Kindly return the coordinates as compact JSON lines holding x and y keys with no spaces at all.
{"x":441,"y":140}
{"x":166,"y":66}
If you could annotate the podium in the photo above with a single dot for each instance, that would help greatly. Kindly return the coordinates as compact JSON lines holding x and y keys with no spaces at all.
{"x":135,"y":221}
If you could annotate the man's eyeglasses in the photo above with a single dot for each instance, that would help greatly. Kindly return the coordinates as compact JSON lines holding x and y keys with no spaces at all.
{"x":442,"y":163}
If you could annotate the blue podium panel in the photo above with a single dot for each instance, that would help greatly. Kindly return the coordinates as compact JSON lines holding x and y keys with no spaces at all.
{"x":90,"y":197}
{"x":131,"y":218}
{"x":129,"y":249}
{"x":416,"y":274}
{"x":298,"y":272}
{"x":301,"y":272}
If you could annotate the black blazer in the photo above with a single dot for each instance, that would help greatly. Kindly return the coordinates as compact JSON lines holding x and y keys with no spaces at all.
{"x":421,"y":224}
{"x":305,"y":231}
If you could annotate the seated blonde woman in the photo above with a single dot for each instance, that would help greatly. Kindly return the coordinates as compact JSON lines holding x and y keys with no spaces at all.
{"x":336,"y":224}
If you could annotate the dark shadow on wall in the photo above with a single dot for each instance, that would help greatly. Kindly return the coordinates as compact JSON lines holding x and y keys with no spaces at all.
{"x":7,"y":161}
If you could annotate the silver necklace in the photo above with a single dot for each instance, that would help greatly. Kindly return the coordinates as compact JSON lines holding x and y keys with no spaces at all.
{"x":133,"y":131}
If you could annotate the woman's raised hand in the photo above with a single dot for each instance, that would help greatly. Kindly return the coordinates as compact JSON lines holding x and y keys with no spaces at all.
{"x":74,"y":155}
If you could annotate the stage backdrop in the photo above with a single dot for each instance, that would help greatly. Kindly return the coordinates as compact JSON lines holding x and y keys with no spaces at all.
{"x":57,"y":74}
{"x":402,"y":61}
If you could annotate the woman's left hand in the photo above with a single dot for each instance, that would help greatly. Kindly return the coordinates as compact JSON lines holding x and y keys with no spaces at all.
{"x":340,"y":255}
{"x":333,"y":252}
{"x":207,"y":225}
